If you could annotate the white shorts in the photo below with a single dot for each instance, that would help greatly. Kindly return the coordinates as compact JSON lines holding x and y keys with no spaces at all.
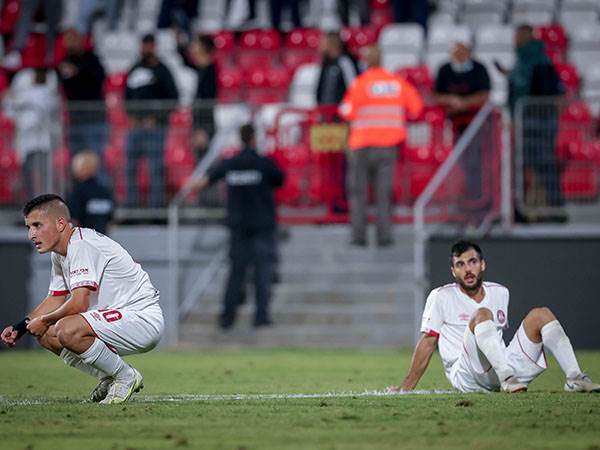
{"x":473,"y":373}
{"x":127,"y":332}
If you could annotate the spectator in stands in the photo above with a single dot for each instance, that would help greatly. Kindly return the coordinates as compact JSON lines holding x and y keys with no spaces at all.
{"x":82,"y":77}
{"x":462,"y":87}
{"x":33,"y":103}
{"x":277,"y":7}
{"x":251,"y":179}
{"x":533,"y":75}
{"x":149,"y":79}
{"x":376,"y":105}
{"x":52,"y":10}
{"x":90,"y":202}
{"x":199,"y":56}
{"x":112,"y":10}
{"x":362,"y":6}
{"x":338,"y":71}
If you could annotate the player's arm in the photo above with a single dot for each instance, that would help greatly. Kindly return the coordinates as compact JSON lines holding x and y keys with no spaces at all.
{"x":78,"y":303}
{"x":420,"y":360}
{"x":12,"y":333}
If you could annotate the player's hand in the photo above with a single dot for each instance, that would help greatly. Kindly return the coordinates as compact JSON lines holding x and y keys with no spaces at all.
{"x":9,"y":336}
{"x":37,"y":326}
{"x":394,"y":389}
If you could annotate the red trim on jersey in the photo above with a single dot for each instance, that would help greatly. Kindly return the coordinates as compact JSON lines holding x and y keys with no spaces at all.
{"x":529,"y":357}
{"x":92,"y":285}
{"x":58,"y":293}
{"x":93,"y":331}
{"x":430,"y":332}
{"x":80,"y":234}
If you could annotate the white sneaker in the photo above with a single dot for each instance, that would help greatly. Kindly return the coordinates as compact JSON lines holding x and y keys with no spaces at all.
{"x":581,"y":383}
{"x":511,"y":386}
{"x":101,"y":390}
{"x":121,"y":389}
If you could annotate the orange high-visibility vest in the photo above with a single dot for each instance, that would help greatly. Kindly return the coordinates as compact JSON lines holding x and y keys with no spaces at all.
{"x":376,"y":105}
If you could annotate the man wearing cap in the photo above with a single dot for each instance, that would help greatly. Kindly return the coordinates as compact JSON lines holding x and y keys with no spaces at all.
{"x":149,"y":79}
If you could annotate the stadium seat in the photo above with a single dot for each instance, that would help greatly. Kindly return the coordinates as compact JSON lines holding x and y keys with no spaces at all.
{"x":7,"y":134}
{"x":494,"y":38}
{"x":553,"y":35}
{"x":569,"y":76}
{"x":441,"y":38}
{"x":572,"y":20}
{"x":9,"y":15}
{"x":579,"y":182}
{"x":484,"y":6}
{"x":420,"y":77}
{"x":258,"y":47}
{"x":534,"y":5}
{"x":224,"y":46}
{"x":229,"y":80}
{"x":166,"y":42}
{"x":9,"y":176}
{"x":532,"y":17}
{"x":436,"y":60}
{"x":266,"y":85}
{"x":591,"y":76}
{"x":186,"y":80}
{"x":301,"y":46}
{"x":357,"y":37}
{"x":582,"y":59}
{"x":402,"y":38}
{"x":303,"y":88}
{"x":393,"y":61}
{"x":585,"y":37}
{"x":477,"y":20}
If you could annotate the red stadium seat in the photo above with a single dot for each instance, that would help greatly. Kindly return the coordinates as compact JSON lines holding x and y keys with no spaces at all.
{"x":579,"y":182}
{"x":7,"y":134}
{"x":230,"y":83}
{"x":258,"y":47}
{"x":9,"y":176}
{"x":301,"y":47}
{"x":267,"y":85}
{"x":553,"y":36}
{"x":9,"y":15}
{"x":569,"y":76}
{"x":356,"y":38}
{"x":34,"y":52}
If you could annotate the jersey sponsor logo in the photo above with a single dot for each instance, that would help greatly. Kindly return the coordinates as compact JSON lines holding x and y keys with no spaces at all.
{"x":80,"y":271}
{"x":384,"y":88}
{"x":500,"y":316}
{"x":244,"y":177}
{"x":464,"y":317}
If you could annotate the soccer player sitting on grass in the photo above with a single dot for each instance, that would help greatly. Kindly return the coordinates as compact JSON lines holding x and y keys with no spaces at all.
{"x":466,"y":318}
{"x":112,"y":308}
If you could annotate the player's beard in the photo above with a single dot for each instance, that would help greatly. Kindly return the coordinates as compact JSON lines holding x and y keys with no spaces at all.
{"x":472,"y":289}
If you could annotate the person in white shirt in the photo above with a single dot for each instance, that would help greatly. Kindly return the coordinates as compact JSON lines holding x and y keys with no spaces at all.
{"x":466,"y":319}
{"x":101,"y":305}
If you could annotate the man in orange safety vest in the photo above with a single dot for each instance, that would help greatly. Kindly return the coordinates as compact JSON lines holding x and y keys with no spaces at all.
{"x":375,"y":105}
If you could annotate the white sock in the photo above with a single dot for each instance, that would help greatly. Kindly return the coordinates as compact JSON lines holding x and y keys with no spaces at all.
{"x":73,"y":360}
{"x":556,"y":340}
{"x":101,"y":358}
{"x":490,"y":344}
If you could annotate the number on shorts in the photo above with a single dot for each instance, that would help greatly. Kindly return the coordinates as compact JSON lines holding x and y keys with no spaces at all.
{"x":112,"y":315}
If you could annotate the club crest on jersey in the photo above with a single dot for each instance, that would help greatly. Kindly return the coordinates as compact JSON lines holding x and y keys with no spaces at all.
{"x":500,"y":316}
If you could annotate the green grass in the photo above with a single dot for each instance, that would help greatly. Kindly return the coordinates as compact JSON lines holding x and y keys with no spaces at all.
{"x":545,"y":417}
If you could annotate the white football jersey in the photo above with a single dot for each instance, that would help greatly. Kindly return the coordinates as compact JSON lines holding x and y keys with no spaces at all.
{"x":448,"y":311}
{"x":97,"y":262}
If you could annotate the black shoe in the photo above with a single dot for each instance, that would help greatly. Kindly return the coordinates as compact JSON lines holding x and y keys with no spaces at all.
{"x":385,"y":242}
{"x":226,"y":322}
{"x":358,"y":242}
{"x":262,"y":323}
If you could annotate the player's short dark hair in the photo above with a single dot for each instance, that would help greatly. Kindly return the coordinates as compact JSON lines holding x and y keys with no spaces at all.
{"x":247,"y":134}
{"x":525,"y":27}
{"x":206,"y":42}
{"x":459,"y":247}
{"x":148,"y":38}
{"x":41,"y":201}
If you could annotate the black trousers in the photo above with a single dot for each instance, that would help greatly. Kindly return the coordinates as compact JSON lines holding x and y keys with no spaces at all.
{"x":248,"y":250}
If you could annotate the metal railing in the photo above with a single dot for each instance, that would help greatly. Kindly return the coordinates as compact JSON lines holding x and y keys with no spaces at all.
{"x":482,"y":156}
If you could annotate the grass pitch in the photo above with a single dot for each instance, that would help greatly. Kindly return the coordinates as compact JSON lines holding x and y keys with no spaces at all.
{"x":190,"y":402}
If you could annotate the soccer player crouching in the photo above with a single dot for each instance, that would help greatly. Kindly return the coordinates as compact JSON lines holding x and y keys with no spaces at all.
{"x":466,"y":319}
{"x":112,"y":309}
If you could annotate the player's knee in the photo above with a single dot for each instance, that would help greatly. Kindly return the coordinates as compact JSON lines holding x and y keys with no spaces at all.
{"x":481,"y":315}
{"x":66,"y":332}
{"x":543,"y":313}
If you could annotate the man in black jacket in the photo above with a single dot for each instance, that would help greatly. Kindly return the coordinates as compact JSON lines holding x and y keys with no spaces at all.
{"x":251,"y":217}
{"x":338,"y":71}
{"x":82,"y":77}
{"x":148,"y":80}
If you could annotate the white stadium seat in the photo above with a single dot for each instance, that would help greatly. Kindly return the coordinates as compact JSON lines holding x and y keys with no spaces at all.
{"x":585,"y":37}
{"x":534,"y":5}
{"x":436,"y":60}
{"x":477,"y":20}
{"x":571,"y":20}
{"x":585,"y":5}
{"x":402,"y":38}
{"x":495,"y":38}
{"x":532,"y":17}
{"x":582,"y":59}
{"x":304,"y":85}
{"x":591,"y":76}
{"x":442,"y":37}
{"x":392,"y":61}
